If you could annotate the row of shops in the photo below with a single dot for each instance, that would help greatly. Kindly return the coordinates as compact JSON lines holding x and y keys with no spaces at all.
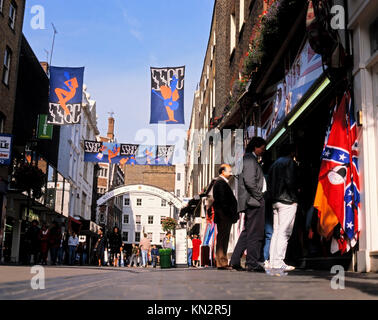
{"x":290,"y":98}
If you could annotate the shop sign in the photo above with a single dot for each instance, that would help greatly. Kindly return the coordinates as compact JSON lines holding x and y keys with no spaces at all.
{"x":5,"y":149}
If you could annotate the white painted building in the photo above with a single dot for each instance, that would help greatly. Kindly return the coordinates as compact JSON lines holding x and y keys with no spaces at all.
{"x":363,"y":23}
{"x":143,"y":213}
{"x":71,"y":159}
{"x":180,"y":181}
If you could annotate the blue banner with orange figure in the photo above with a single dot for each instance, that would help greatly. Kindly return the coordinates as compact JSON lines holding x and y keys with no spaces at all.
{"x":132,"y":154}
{"x":167,"y":95}
{"x":66,"y":92}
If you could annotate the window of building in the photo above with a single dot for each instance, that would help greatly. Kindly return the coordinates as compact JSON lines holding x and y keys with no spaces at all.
{"x":139,"y":202}
{"x":85,"y":171}
{"x":127,"y":202}
{"x":149,"y":236}
{"x":178,"y":192}
{"x":163,"y":203}
{"x":178,"y":176}
{"x":7,"y":63}
{"x":138,"y":219}
{"x":126,"y":218}
{"x":137,"y":236}
{"x":125,"y":236}
{"x":373,"y":31}
{"x":12,"y":15}
{"x":162,"y":235}
{"x":241,"y":14}
{"x":232,"y":32}
{"x":161,"y":219}
{"x":150,"y":219}
{"x":2,"y":122}
{"x":83,"y":204}
{"x":103,"y":172}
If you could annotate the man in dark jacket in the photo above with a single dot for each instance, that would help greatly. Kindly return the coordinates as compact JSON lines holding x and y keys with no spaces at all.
{"x":34,"y":245}
{"x":115,"y":241}
{"x":251,"y":188}
{"x":99,"y":248}
{"x":225,"y":213}
{"x":55,"y":236}
{"x":282,"y":190}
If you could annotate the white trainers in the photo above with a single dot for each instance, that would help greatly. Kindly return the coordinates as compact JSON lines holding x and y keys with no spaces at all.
{"x":285,"y":267}
{"x":267,"y":264}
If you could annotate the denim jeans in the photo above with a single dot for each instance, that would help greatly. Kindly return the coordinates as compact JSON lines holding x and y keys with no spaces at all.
{"x":144,"y":257}
{"x":53,"y":254}
{"x":154,"y":261}
{"x":268,"y":232}
{"x":60,"y":255}
{"x":71,"y":255}
{"x":190,"y":252}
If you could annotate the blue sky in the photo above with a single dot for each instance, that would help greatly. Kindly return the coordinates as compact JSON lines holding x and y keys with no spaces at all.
{"x":117,"y":41}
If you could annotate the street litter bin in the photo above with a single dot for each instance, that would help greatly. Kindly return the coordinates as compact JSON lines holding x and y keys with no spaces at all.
{"x":165,"y":258}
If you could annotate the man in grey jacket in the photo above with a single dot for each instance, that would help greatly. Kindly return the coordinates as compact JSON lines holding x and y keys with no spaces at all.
{"x":251,"y":189}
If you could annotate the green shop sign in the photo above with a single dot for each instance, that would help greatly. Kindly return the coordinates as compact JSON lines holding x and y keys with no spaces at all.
{"x":45,"y":131}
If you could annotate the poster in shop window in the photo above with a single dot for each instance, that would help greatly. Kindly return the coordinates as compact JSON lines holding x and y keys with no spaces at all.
{"x":299,"y":77}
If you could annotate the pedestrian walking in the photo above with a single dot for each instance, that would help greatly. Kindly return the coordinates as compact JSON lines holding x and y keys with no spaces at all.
{"x":155,"y":256}
{"x":173,"y":253}
{"x":145,"y":246}
{"x":196,"y":250}
{"x":251,"y":189}
{"x":73,"y":242}
{"x":282,"y":189}
{"x":99,"y":248}
{"x":190,"y":250}
{"x":134,"y":258}
{"x":55,"y":237}
{"x":61,"y":248}
{"x":115,"y":242}
{"x":44,"y":241}
{"x":225,"y":214}
{"x":33,"y":240}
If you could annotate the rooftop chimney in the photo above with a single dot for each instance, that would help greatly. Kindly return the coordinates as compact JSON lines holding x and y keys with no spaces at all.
{"x":110,"y":134}
{"x":45,"y":66}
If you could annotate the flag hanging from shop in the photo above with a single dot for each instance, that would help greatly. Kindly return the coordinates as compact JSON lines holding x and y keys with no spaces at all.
{"x":65,"y":98}
{"x":337,"y":197}
{"x":131,"y":154}
{"x":167,"y":95}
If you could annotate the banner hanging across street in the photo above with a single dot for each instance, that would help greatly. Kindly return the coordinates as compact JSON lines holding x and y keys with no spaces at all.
{"x":132,"y":154}
{"x":167,"y":95}
{"x":66,"y":92}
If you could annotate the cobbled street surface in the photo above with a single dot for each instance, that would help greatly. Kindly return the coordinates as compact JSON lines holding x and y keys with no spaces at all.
{"x":107,"y":283}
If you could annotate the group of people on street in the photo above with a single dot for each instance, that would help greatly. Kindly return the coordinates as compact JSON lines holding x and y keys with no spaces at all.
{"x":64,"y":247}
{"x":278,"y":188}
{"x":142,"y":255}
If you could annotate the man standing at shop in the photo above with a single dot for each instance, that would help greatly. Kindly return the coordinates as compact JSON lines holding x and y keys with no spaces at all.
{"x":225,"y":214}
{"x":251,"y":188}
{"x":145,"y":246}
{"x":282,"y":190}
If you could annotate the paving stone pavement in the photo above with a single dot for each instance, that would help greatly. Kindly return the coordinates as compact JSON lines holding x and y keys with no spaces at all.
{"x":107,"y":283}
